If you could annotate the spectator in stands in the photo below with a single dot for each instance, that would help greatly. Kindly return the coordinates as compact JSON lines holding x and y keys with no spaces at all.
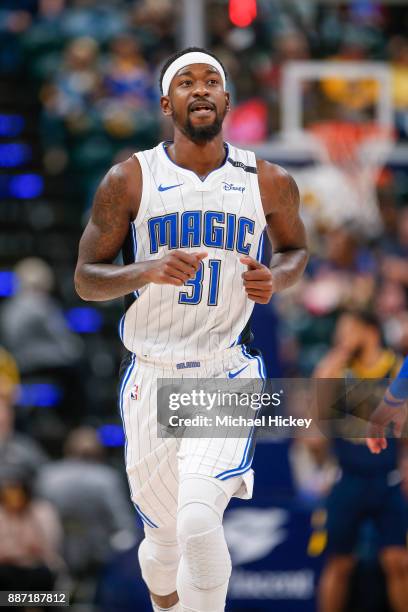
{"x":33,"y":326}
{"x":291,"y":45}
{"x":353,"y":98}
{"x":398,"y":52}
{"x":76,"y":85}
{"x":16,"y":449}
{"x":129,"y":91}
{"x":128,"y":78}
{"x":12,"y":24}
{"x":30,"y":536}
{"x":342,"y":275}
{"x":47,"y":25}
{"x":44,"y":39}
{"x":99,"y":19}
{"x":35,"y":331}
{"x":154,"y":22}
{"x":344,"y":251}
{"x":395,"y":265}
{"x":51,"y":9}
{"x":92,"y":502}
{"x":391,"y":297}
{"x":390,"y":301}
{"x":15,"y":19}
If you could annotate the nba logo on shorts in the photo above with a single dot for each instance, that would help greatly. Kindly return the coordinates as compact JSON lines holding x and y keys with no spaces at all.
{"x":135,"y":392}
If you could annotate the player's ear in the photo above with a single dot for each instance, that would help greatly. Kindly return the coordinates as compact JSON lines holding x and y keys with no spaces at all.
{"x":166,"y":106}
{"x":227,"y":101}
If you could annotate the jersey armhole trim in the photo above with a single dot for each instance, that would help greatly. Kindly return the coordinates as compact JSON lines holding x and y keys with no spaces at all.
{"x":145,"y":192}
{"x":254,"y":178}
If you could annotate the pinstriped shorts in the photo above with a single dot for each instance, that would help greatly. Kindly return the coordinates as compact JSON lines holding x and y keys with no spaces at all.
{"x":154,"y":465}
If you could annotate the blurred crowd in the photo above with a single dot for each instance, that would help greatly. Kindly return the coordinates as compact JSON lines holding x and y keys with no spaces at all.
{"x":348,"y":270}
{"x":96,"y":64}
{"x":60,"y":521}
{"x":93,"y":67}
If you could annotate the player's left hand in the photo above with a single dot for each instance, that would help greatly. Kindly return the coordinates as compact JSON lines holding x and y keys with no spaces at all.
{"x":382,"y":416}
{"x":258,"y":281}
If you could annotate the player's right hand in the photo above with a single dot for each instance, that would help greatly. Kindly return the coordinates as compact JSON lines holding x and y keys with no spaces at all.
{"x":175,"y":268}
{"x":382,"y":416}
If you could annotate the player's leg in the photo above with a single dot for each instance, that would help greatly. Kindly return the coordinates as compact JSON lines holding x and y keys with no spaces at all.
{"x":394,"y":560}
{"x":159,"y":556}
{"x":211,"y":471}
{"x":344,"y":514}
{"x":205,"y":565}
{"x":169,"y":603}
{"x":334,"y":583}
{"x":159,"y":552}
{"x":393,"y":556}
{"x":151,"y":466}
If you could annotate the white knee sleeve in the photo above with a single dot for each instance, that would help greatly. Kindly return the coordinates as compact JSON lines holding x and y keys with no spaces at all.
{"x":159,"y":558}
{"x":208,"y":560}
{"x":205,"y":567}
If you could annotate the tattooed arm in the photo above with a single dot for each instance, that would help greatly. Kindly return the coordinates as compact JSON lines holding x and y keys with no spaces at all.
{"x":280,"y":200}
{"x":115,"y":205}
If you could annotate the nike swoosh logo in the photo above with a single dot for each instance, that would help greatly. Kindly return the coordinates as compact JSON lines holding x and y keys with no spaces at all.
{"x":163,"y":188}
{"x":235,"y":374}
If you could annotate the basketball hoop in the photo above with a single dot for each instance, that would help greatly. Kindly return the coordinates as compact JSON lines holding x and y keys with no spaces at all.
{"x":351,"y":157}
{"x":353,"y":146}
{"x":348,"y":155}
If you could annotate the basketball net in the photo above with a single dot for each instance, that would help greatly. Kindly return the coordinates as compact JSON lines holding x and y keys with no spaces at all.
{"x":352,"y":156}
{"x":354,"y":147}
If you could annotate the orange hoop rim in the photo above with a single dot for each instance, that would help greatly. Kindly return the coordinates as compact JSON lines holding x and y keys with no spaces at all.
{"x":342,"y":139}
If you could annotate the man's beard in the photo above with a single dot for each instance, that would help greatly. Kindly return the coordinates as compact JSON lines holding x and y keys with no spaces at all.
{"x":202,"y":133}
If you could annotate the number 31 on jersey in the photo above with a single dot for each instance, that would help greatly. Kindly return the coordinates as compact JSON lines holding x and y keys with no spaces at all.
{"x":195,"y":284}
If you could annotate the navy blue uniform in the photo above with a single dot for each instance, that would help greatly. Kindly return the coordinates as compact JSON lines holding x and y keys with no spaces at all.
{"x":369,"y":486}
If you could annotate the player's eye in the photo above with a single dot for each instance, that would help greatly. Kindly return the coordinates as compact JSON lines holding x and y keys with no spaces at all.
{"x":213,"y":81}
{"x":186,"y":82}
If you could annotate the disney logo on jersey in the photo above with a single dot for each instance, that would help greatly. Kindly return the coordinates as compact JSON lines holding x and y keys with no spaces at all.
{"x":232,"y":187}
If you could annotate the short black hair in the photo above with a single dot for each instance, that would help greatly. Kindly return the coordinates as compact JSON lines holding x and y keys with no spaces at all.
{"x":365,"y":316}
{"x":175,"y":56}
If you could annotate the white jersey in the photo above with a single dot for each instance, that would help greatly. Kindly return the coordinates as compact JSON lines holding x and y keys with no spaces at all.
{"x":222,"y":215}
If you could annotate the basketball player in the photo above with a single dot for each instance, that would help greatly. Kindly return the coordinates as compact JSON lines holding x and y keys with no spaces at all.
{"x":189,"y":216}
{"x":368,"y":489}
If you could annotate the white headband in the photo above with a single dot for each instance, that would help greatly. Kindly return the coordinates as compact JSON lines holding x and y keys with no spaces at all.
{"x":195,"y":57}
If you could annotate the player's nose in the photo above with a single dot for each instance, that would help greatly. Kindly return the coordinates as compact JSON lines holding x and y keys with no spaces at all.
{"x":200,"y":89}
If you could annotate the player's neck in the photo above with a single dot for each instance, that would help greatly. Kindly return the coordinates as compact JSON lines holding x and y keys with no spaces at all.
{"x":200,"y":158}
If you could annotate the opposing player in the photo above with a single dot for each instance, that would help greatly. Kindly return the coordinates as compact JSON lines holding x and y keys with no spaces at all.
{"x":368,"y":488}
{"x":392,"y":409}
{"x":189,"y":216}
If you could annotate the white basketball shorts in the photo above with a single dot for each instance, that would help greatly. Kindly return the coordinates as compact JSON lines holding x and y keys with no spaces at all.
{"x":154,"y":464}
